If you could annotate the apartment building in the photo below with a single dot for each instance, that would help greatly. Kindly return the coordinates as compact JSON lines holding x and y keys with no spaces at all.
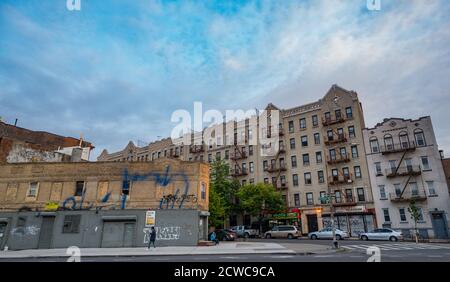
{"x":405,"y":165}
{"x":321,"y":152}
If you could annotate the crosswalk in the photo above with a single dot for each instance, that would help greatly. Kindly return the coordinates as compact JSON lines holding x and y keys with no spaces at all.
{"x":398,"y":246}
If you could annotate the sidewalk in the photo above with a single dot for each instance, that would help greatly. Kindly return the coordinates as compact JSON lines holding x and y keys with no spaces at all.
{"x":221,"y":249}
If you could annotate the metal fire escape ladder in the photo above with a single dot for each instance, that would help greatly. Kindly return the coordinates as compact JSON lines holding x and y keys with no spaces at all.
{"x":406,"y":184}
{"x":400,"y":162}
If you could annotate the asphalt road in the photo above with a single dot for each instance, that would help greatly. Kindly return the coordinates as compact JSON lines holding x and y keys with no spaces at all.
{"x":351,"y":251}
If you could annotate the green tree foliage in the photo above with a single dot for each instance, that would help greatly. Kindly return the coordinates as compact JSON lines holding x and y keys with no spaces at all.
{"x":260,"y":198}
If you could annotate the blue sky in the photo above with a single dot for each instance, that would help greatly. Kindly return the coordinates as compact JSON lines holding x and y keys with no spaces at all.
{"x":116,"y":70}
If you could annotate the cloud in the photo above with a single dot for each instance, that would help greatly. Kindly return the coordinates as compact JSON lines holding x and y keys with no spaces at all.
{"x":117,"y":71}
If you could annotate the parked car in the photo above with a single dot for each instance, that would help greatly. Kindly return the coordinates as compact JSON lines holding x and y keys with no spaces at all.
{"x":382,"y":234}
{"x":283,"y":231}
{"x":327,"y":233}
{"x":225,"y":235}
{"x":245,"y":231}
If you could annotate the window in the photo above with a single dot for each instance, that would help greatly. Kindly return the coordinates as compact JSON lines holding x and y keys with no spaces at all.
{"x":307,"y":178}
{"x":244,"y":182}
{"x":318,"y":157}
{"x":397,"y":189}
{"x":297,"y":200}
{"x":361,"y":196}
{"x":430,"y":185}
{"x":322,"y":197}
{"x":316,"y":138}
{"x":374,"y":145}
{"x":71,"y":223}
{"x":295,"y":179}
{"x":218,"y":155}
{"x":315,"y":120}
{"x":203,"y":191}
{"x":33,"y":190}
{"x":209,"y":158}
{"x":79,"y":187}
{"x":292,"y":143}
{"x":349,"y":112}
{"x":332,"y":154}
{"x":244,"y":168}
{"x":251,"y":167}
{"x":349,"y":195}
{"x":357,"y":172}
{"x":351,"y":131}
{"x":414,"y":189}
{"x":283,"y":179}
{"x":305,"y":159}
{"x":402,"y":213}
{"x":404,"y":140}
{"x":304,"y":141}
{"x":327,"y":116}
{"x":420,"y":137}
{"x":293,"y":161}
{"x":302,"y":123}
{"x":265,"y":165}
{"x":354,"y":151}
{"x":346,"y":172}
{"x":425,"y":163}
{"x":250,"y":150}
{"x":387,"y":218}
{"x":338,"y":115}
{"x":388,"y":142}
{"x":309,"y":199}
{"x":227,"y":154}
{"x":382,"y":189}
{"x":266,"y":180}
{"x":330,"y":135}
{"x":337,"y":196}
{"x":419,"y":210}
{"x":291,"y":126}
{"x":321,"y":176}
{"x":343,"y":151}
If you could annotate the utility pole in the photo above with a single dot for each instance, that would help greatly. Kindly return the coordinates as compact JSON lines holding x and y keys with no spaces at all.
{"x":329,"y":198}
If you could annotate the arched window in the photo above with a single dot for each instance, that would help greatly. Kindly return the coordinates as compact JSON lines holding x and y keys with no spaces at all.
{"x":420,"y":137}
{"x":404,"y":140}
{"x":374,"y":145}
{"x":388,"y":142}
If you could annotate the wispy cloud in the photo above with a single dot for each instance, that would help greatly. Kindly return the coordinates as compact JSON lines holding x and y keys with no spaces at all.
{"x":115,"y":71}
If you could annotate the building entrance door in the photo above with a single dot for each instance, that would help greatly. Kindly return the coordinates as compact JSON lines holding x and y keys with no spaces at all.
{"x":2,"y":234}
{"x":312,"y":222}
{"x":117,"y":234}
{"x":439,"y":226}
{"x":46,"y":234}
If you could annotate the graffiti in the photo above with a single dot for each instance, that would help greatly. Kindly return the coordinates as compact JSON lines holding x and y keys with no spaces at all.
{"x":161,"y":179}
{"x":163,"y":233}
{"x":74,"y":203}
{"x":31,"y":230}
{"x":173,"y":199}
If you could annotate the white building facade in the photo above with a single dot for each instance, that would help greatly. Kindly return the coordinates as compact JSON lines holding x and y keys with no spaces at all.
{"x":405,"y":166}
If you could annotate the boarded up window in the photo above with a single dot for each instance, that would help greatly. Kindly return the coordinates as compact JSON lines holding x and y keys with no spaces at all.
{"x":72,"y":223}
{"x":55,"y":195}
{"x":102,"y":189}
{"x":11,"y":192}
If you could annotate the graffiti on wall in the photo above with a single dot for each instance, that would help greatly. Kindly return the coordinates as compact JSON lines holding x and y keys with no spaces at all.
{"x":163,"y":233}
{"x":169,"y":201}
{"x":31,"y":230}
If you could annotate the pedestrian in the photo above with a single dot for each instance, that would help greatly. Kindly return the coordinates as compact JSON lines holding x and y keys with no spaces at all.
{"x":152,"y":238}
{"x":214,"y":238}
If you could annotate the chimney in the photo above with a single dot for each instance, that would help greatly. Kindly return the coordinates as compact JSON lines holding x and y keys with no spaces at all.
{"x":441,"y":152}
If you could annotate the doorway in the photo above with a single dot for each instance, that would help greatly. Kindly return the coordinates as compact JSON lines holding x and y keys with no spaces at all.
{"x":312,"y":222}
{"x":117,"y":234}
{"x":439,"y":225}
{"x":46,"y":234}
{"x":3,"y":234}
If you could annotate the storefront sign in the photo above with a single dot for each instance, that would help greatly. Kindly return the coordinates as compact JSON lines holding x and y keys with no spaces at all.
{"x":51,"y":206}
{"x":150,"y":217}
{"x":351,"y":209}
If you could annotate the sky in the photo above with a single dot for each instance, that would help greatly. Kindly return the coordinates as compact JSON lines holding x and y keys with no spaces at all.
{"x":115,"y":71}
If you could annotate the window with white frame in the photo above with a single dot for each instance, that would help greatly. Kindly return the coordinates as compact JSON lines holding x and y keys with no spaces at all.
{"x":374,"y":145}
{"x":378,"y":169}
{"x":430,"y":185}
{"x":402,"y":214}
{"x":387,"y":217}
{"x":425,"y":163}
{"x":382,"y":189}
{"x":420,"y":138}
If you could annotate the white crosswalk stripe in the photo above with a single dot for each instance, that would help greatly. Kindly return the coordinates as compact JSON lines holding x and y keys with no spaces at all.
{"x":398,"y":247}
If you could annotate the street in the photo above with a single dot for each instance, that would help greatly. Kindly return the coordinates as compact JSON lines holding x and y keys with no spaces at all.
{"x":351,"y":251}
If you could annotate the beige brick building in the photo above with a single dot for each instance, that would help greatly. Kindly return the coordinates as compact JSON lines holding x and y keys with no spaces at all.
{"x":321,"y":150}
{"x":102,"y":204}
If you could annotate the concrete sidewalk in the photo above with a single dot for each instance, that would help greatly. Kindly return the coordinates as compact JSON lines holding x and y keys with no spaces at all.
{"x":221,"y":249}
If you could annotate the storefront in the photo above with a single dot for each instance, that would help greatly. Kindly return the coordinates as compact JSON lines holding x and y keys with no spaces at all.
{"x":354,"y":220}
{"x":288,"y":218}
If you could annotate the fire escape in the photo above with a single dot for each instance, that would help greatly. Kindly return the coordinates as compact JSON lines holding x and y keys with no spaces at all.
{"x":273,"y":168}
{"x":333,"y":141}
{"x":408,"y":170}
{"x":238,"y":155}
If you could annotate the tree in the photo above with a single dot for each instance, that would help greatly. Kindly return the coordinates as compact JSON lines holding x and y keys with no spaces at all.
{"x":260,"y":198}
{"x":221,"y":192}
{"x":416,"y":215}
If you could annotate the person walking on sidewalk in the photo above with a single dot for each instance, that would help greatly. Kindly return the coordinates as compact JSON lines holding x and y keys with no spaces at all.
{"x":152,"y":238}
{"x":214,"y":238}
